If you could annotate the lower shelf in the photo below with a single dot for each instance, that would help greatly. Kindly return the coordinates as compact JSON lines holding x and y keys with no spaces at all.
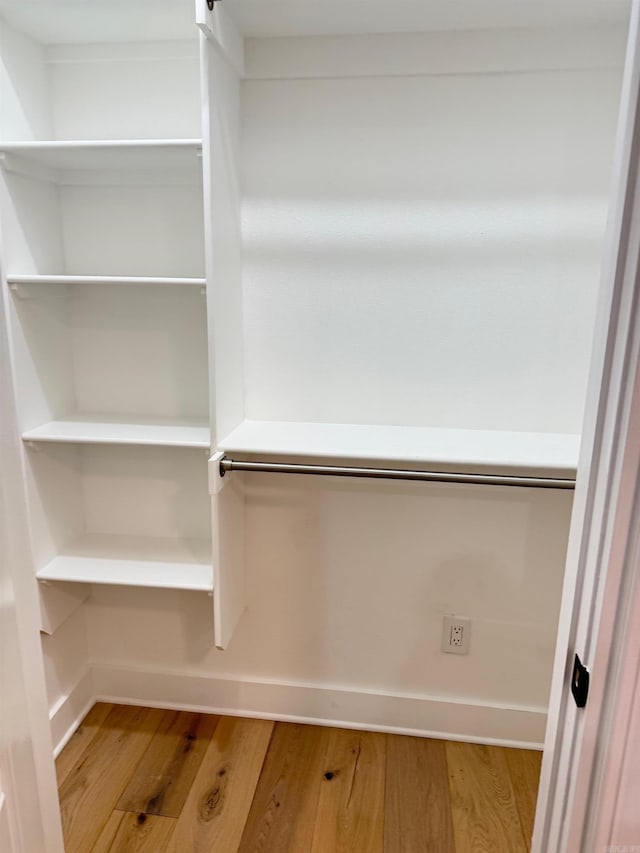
{"x":134,"y":561}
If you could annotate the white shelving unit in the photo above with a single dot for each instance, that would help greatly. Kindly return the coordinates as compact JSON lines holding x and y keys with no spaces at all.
{"x":103,"y":253}
{"x":72,"y":155}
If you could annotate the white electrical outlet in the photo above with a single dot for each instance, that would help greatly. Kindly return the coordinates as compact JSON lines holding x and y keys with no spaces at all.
{"x":456,"y":635}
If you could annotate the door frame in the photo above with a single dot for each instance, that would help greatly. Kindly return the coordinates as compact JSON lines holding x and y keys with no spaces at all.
{"x":605,"y":526}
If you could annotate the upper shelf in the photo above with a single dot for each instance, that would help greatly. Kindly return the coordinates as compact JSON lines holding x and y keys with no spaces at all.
{"x":51,"y":159}
{"x":86,"y":429}
{"x":452,"y":450}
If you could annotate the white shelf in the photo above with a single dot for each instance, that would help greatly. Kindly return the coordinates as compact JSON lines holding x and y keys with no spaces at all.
{"x":134,"y":561}
{"x":452,"y":450}
{"x":87,"y":429}
{"x":115,"y":280}
{"x":47,"y":158}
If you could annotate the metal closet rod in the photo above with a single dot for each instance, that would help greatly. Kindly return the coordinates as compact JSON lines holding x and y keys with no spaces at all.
{"x":227,"y":465}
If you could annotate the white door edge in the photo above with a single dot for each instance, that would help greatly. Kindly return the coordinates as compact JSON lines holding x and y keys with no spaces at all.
{"x":601,"y":511}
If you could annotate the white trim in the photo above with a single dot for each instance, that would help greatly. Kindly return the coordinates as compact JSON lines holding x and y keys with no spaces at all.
{"x":420,"y":715}
{"x":27,"y":765}
{"x":612,"y":731}
{"x":67,"y":714}
{"x":5,"y":827}
{"x":442,"y":718}
{"x":506,"y":51}
{"x":601,"y":510}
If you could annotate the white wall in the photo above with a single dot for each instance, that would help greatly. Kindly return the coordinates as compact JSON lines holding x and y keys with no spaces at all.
{"x":140,"y":352}
{"x":156,"y":87}
{"x":424,"y":250}
{"x":153,"y":230}
{"x":347,"y":587}
{"x":33,"y":235}
{"x":145,"y":491}
{"x":24,"y":89}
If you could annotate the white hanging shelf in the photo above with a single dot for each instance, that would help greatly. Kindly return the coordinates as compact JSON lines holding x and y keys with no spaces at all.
{"x":107,"y":153}
{"x":15,"y":281}
{"x":87,"y":429}
{"x":454,"y":450}
{"x":78,"y":160}
{"x":134,"y":561}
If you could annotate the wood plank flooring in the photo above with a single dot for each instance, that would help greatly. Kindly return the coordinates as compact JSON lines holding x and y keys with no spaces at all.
{"x":139,"y":780}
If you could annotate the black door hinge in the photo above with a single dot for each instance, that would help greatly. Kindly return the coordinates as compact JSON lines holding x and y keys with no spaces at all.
{"x":580,"y":682}
{"x":210,"y":4}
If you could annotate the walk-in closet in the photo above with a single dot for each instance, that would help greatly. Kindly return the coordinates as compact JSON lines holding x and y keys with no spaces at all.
{"x":300,"y":302}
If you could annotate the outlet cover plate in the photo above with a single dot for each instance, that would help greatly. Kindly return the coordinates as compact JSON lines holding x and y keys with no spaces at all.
{"x":456,"y":635}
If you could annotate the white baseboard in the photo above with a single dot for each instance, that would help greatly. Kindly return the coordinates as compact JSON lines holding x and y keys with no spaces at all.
{"x":423,"y":716}
{"x":66,"y":715}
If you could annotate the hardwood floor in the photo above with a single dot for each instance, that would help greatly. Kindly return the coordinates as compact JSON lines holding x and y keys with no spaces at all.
{"x":139,"y":780}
